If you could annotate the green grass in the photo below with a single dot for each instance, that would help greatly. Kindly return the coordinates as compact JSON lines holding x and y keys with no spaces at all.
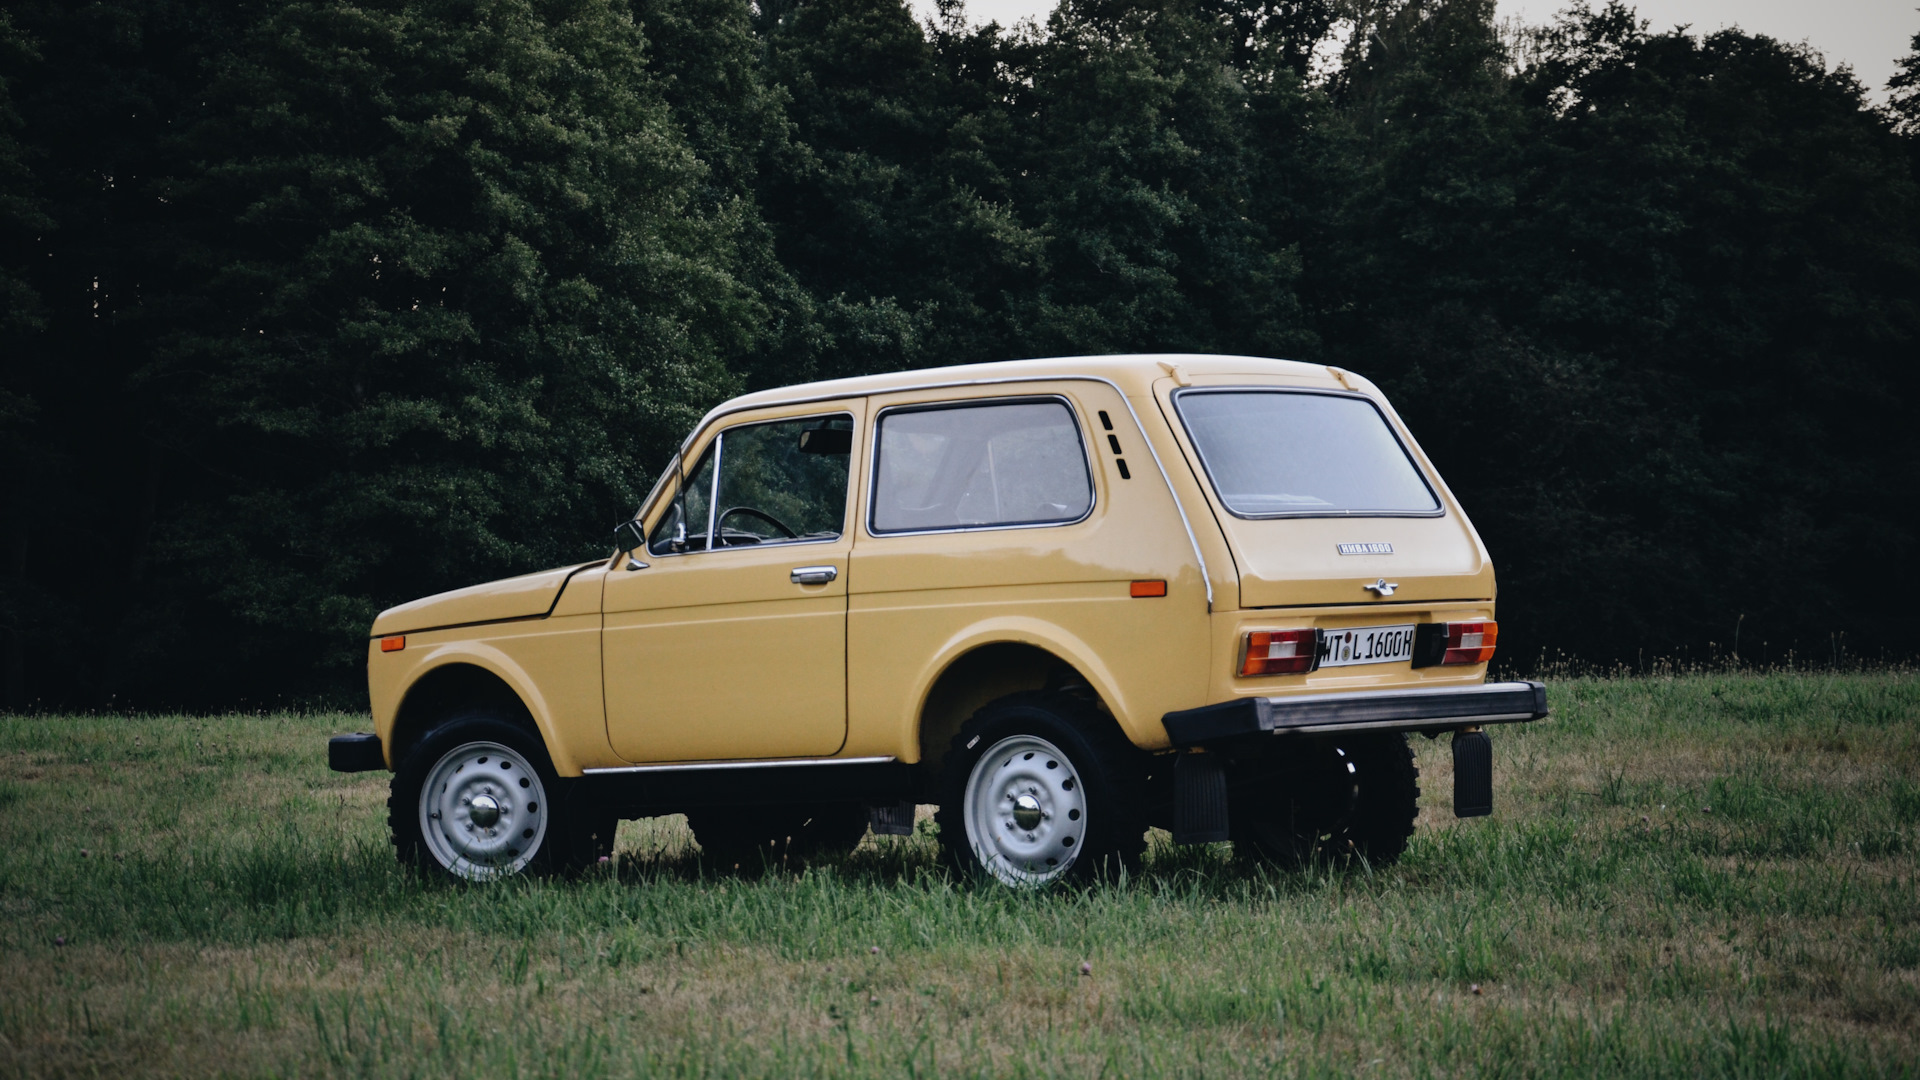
{"x":1709,"y":875}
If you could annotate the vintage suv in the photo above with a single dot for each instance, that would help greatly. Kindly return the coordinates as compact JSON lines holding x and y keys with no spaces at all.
{"x":1064,"y":600}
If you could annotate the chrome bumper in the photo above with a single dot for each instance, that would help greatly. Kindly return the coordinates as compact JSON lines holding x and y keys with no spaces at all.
{"x":1444,"y":709}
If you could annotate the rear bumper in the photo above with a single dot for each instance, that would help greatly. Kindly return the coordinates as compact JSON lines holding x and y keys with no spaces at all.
{"x":1437,"y":710}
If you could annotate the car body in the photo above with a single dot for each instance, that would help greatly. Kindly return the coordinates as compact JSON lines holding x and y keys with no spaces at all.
{"x":1110,"y":531}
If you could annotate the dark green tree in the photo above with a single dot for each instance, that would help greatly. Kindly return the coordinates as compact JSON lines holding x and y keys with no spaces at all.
{"x":1609,"y":290}
{"x":708,"y":62}
{"x":404,"y":296}
{"x":967,"y":194}
{"x":1718,"y":220}
{"x":23,"y":224}
{"x":894,"y":214}
{"x":23,"y":217}
{"x":1904,"y":102}
{"x":310,"y":307}
{"x":1904,"y":88}
{"x":1139,"y":169}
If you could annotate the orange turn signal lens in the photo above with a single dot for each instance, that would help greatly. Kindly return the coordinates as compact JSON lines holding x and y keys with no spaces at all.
{"x":394,"y":643}
{"x":1280,"y":652}
{"x":1148,"y":588}
{"x":1471,"y":642}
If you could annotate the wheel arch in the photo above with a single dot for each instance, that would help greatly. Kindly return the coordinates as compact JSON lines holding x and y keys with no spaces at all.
{"x":994,"y":661}
{"x":458,"y":678}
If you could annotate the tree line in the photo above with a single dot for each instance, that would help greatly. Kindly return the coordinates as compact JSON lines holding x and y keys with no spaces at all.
{"x":310,"y":307}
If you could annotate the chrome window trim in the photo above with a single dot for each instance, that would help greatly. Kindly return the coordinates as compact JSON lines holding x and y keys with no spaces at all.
{"x":713,"y":492}
{"x":873,"y":464}
{"x":1440,"y":505}
{"x":720,"y":412}
{"x":768,"y":763}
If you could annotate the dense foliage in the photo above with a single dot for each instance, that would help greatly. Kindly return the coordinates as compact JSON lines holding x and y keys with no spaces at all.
{"x":310,"y":307}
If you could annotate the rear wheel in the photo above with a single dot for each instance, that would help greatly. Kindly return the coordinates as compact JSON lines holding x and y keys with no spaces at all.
{"x":477,"y":799}
{"x":1330,"y":800}
{"x":1038,"y":788}
{"x":750,"y":838}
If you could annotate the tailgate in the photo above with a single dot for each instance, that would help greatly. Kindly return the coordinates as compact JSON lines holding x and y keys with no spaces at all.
{"x":1321,"y":492}
{"x":1286,"y":562}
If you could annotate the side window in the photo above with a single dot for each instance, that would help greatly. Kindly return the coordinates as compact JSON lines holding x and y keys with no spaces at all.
{"x":986,"y":465}
{"x":780,"y":482}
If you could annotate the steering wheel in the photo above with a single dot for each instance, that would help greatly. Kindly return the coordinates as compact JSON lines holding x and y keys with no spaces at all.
{"x":761,"y":514}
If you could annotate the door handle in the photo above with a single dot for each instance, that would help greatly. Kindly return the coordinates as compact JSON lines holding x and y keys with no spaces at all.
{"x":814,"y":575}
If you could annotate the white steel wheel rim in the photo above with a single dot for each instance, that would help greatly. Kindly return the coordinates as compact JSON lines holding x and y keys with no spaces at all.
{"x":483,"y":811}
{"x":1013,"y":778}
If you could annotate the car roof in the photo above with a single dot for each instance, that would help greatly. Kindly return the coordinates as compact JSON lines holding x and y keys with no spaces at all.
{"x":1133,"y":372}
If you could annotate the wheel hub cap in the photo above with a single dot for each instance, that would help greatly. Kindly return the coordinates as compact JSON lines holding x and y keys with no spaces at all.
{"x":1025,"y":811}
{"x":483,"y":810}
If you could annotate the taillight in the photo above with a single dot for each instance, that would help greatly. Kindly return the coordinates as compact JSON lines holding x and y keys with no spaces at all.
{"x":1470,"y":642}
{"x":1281,"y":652}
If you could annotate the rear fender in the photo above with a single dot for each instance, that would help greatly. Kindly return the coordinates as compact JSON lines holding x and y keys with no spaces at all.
{"x":1048,"y":637}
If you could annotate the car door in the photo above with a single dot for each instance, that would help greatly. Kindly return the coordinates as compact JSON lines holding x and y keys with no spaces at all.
{"x":728,"y":641}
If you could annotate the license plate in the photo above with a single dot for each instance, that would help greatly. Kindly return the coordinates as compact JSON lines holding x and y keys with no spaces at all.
{"x":1366,"y":645}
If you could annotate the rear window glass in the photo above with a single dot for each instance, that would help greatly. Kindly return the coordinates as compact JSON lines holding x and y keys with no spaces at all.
{"x":980,"y":466}
{"x":1272,"y":453}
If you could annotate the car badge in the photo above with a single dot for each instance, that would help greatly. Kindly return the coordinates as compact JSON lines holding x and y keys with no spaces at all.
{"x":1383,"y":587}
{"x":1366,"y":549}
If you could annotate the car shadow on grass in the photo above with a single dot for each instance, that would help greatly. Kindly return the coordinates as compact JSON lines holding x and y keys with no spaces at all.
{"x":890,"y":862}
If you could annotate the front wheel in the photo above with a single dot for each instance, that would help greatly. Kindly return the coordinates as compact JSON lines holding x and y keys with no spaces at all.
{"x":1039,"y":787}
{"x":477,"y":799}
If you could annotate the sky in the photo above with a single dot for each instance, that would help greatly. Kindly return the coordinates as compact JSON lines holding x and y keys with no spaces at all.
{"x":1869,"y":34}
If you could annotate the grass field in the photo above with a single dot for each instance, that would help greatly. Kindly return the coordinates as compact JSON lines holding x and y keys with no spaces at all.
{"x":1710,"y":875}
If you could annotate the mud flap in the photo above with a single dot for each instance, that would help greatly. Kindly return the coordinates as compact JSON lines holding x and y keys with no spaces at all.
{"x":1199,"y":799}
{"x":891,"y":819}
{"x":1472,"y":774}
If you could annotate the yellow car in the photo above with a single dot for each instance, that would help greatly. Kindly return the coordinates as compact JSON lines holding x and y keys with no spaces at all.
{"x":1063,"y":600}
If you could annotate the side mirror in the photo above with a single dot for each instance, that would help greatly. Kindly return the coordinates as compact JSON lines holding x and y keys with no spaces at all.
{"x":628,"y":536}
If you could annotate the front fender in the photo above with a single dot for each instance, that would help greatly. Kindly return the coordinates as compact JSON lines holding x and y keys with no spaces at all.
{"x":473,"y":654}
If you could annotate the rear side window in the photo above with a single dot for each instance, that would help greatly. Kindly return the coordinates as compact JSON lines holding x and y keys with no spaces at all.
{"x":1279,"y":453}
{"x":976,"y":466}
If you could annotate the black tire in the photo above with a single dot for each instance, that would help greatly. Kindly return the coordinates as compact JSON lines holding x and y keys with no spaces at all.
{"x":1329,"y":801}
{"x":1105,"y":774}
{"x":567,"y":831}
{"x":752,"y":838}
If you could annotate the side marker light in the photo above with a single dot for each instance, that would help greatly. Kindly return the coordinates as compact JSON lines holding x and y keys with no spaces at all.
{"x":394,"y":643}
{"x":1147,"y":588}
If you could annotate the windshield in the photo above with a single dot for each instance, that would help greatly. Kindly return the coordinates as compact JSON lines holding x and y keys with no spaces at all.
{"x":1272,"y":453}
